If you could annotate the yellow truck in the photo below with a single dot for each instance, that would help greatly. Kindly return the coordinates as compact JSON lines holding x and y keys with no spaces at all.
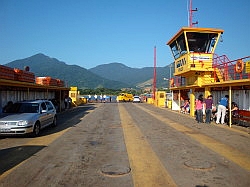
{"x":124,"y":97}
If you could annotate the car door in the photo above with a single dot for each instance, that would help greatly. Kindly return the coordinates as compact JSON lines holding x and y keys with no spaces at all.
{"x":51,"y":112}
{"x":43,"y":115}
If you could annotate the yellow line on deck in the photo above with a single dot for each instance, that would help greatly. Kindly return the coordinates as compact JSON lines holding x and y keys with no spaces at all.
{"x":41,"y":141}
{"x":38,"y":141}
{"x":46,"y":140}
{"x":147,"y":170}
{"x":228,"y":152}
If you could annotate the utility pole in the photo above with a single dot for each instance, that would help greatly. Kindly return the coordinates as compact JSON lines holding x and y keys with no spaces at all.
{"x":154,"y":79}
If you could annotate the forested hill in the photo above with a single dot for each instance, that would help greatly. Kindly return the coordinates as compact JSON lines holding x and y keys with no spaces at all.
{"x":113,"y":75}
{"x":73,"y":75}
{"x":132,"y":76}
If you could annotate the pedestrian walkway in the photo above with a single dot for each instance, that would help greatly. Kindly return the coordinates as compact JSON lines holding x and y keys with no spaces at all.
{"x":220,"y":139}
{"x":192,"y":120}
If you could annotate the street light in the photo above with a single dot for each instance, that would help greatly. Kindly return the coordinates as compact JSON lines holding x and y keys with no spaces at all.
{"x":165,"y":79}
{"x":170,"y":76}
{"x":170,"y":72}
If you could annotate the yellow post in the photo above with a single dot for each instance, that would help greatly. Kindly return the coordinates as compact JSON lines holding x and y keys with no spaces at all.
{"x":192,"y":103}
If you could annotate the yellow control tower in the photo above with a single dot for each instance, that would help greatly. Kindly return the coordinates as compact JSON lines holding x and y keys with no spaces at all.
{"x":193,"y":52}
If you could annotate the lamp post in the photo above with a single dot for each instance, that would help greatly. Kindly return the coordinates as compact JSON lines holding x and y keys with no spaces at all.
{"x":170,"y":70}
{"x":165,"y":79}
{"x":170,"y":76}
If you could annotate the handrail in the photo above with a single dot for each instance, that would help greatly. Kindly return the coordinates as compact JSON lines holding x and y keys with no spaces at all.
{"x":223,"y":64}
{"x":223,"y":70}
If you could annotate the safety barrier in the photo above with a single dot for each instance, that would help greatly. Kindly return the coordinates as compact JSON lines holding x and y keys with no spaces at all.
{"x":241,"y":117}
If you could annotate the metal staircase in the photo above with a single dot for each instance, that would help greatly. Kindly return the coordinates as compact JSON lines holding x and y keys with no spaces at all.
{"x":221,"y":66}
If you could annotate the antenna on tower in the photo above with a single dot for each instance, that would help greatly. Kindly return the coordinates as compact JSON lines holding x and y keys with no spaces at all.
{"x":191,"y":10}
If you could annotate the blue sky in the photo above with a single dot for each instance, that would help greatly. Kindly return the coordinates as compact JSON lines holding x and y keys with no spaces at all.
{"x":93,"y":32}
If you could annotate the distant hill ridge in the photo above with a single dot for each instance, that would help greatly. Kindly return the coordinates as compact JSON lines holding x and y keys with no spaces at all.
{"x":132,"y":76}
{"x":122,"y":73}
{"x":114,"y":75}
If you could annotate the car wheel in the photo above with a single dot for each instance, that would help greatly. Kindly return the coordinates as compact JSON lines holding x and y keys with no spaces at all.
{"x":54,"y":122}
{"x":36,"y":130}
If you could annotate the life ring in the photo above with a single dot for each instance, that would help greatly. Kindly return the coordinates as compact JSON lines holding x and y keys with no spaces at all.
{"x":239,"y":66}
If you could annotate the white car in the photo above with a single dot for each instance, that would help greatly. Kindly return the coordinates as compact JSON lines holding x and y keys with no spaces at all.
{"x":28,"y":117}
{"x":136,"y":99}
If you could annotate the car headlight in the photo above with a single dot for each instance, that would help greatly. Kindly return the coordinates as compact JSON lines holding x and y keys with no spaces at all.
{"x":22,"y":123}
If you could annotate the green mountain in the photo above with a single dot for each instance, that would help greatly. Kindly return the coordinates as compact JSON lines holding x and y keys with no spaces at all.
{"x":113,"y":75}
{"x":73,"y":75}
{"x":133,"y":76}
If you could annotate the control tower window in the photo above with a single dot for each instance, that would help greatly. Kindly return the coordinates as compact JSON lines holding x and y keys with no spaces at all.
{"x":201,"y":42}
{"x":182,"y":44}
{"x":179,"y":47}
{"x":175,"y":50}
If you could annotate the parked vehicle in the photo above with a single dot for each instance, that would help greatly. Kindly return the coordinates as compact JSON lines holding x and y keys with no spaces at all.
{"x":28,"y":117}
{"x":136,"y":99}
{"x":125,"y":97}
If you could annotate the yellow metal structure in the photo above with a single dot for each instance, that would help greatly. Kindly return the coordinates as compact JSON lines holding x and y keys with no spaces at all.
{"x":74,"y":94}
{"x":160,"y":99}
{"x":197,"y":69}
{"x":169,"y":104}
{"x":248,"y":66}
{"x":193,"y":51}
{"x":73,"y":88}
{"x":150,"y":101}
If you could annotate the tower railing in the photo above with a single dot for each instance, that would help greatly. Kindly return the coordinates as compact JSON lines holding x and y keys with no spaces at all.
{"x":228,"y":69}
{"x":223,"y":70}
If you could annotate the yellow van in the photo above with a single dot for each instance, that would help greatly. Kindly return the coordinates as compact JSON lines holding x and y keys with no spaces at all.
{"x":124,"y":97}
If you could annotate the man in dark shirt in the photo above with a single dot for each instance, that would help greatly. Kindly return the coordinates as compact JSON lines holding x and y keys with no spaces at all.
{"x":208,"y":104}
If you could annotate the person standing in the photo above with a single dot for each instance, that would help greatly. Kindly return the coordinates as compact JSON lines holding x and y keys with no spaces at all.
{"x":222,"y":108}
{"x":66,"y":102}
{"x":185,"y":107}
{"x":95,"y":98}
{"x":104,"y":98}
{"x":199,"y":107}
{"x":208,"y":108}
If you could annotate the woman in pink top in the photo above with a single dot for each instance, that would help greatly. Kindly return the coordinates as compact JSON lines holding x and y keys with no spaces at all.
{"x":199,"y":107}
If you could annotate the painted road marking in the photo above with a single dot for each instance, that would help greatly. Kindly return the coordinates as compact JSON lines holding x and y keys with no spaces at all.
{"x":39,"y":141}
{"x":228,"y":152}
{"x":147,"y":170}
{"x":46,"y":140}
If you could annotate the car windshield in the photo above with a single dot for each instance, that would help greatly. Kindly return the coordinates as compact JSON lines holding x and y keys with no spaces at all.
{"x":24,"y":108}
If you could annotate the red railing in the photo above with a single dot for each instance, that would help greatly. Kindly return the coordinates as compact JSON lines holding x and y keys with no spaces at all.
{"x":228,"y":68}
{"x":223,"y":69}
